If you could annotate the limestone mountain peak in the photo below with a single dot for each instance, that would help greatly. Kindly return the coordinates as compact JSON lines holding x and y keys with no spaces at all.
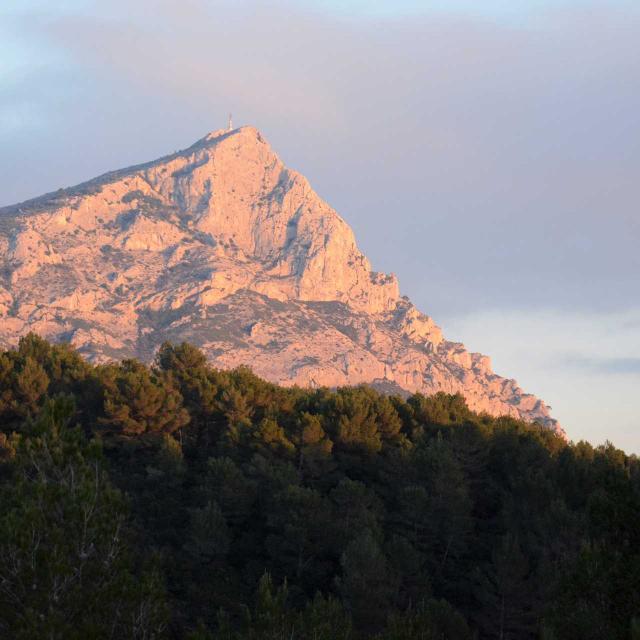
{"x":222,"y":245}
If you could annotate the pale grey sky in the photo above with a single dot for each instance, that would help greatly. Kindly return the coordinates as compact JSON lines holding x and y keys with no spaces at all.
{"x":490,"y":158}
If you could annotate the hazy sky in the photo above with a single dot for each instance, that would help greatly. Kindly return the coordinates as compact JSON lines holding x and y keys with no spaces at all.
{"x":488,"y":153}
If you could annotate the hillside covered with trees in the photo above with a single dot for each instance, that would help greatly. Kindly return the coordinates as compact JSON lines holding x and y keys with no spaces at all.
{"x":180,"y":501}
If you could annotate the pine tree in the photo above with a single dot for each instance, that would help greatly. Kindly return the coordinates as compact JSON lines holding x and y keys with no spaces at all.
{"x":65,"y":570}
{"x":367,"y":586}
{"x":138,"y":401}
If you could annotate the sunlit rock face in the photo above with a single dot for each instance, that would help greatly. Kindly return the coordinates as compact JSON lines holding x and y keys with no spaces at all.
{"x":223,"y":246}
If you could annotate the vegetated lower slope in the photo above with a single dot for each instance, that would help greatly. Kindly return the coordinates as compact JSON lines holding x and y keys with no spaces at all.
{"x":198,"y":503}
{"x":225,"y":247}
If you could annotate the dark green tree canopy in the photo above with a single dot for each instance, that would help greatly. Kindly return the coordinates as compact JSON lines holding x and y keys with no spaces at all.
{"x":196,"y":503}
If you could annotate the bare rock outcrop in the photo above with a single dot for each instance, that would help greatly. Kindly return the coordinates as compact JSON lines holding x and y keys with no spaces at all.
{"x":223,"y":246}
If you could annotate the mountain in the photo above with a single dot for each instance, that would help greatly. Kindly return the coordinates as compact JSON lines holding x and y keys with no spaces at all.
{"x":223,"y":246}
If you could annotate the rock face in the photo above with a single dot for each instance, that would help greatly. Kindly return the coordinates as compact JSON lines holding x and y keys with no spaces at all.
{"x":223,"y":246}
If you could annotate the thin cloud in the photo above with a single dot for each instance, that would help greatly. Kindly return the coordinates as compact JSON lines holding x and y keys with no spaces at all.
{"x":618,"y":366}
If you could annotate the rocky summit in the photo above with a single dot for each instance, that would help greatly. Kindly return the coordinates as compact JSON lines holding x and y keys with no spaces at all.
{"x":223,"y":246}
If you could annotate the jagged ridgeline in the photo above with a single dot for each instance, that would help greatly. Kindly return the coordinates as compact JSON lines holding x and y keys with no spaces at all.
{"x":183,"y":501}
{"x":225,"y":247}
